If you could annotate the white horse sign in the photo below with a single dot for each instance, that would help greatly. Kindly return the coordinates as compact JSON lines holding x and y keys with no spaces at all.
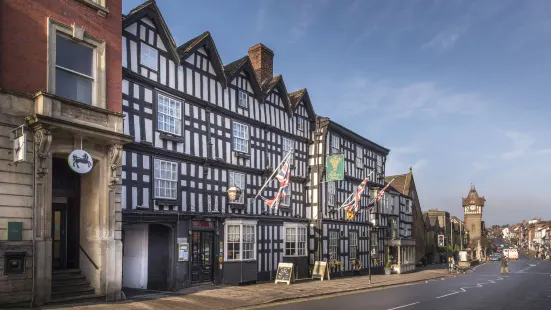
{"x":80,"y":161}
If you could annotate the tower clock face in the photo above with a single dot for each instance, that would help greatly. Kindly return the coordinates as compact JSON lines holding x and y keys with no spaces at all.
{"x":473,"y":208}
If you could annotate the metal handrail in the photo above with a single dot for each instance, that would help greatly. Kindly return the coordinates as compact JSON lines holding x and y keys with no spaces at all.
{"x":88,"y":256}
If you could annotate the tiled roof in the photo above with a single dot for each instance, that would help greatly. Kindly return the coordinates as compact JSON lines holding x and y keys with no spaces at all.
{"x":400,"y":183}
{"x":236,"y":66}
{"x":296,"y":96}
{"x":205,"y":39}
{"x":473,"y":198}
{"x":232,"y":69}
{"x":189,"y":45}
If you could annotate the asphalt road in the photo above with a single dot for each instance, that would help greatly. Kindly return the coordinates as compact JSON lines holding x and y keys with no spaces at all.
{"x":527,"y":287}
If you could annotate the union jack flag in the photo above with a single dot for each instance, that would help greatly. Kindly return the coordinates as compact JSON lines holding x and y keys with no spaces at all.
{"x":379,"y":196}
{"x":355,"y":202}
{"x":283,"y":176}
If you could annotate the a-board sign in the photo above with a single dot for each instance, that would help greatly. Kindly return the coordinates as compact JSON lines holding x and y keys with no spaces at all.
{"x":320,"y":270}
{"x":285,"y":273}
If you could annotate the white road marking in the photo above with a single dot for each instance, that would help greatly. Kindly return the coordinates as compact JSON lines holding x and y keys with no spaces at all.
{"x":448,"y":295}
{"x":404,"y":306}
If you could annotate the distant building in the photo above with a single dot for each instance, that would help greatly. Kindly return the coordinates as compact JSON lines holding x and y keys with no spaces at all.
{"x":472,"y":206}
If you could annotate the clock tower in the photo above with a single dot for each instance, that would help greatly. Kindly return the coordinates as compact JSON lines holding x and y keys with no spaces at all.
{"x":472,"y":208}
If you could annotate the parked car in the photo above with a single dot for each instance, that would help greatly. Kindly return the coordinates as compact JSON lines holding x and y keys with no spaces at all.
{"x":495,"y":257}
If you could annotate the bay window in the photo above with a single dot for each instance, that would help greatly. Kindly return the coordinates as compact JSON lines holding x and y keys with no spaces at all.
{"x":240,"y":240}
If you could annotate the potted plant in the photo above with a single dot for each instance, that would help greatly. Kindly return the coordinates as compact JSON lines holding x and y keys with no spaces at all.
{"x":388,"y":266}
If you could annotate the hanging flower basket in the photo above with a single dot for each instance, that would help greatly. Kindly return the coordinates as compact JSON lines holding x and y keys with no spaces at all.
{"x":335,"y":265}
{"x":356,"y":264}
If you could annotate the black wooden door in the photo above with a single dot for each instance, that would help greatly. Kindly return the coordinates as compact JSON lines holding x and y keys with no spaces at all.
{"x":59,"y":236}
{"x":202,"y":256}
{"x":157,"y":275}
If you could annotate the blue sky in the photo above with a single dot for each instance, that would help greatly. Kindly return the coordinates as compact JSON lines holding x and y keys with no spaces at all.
{"x":460,"y":90}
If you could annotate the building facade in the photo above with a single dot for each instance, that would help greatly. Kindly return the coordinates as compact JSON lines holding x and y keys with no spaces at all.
{"x":199,"y":129}
{"x":332,"y":236}
{"x":399,"y":241}
{"x":59,"y":93}
{"x":405,"y":184}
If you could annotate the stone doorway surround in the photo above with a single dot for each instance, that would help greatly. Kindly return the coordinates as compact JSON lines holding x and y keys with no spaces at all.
{"x":61,"y":126}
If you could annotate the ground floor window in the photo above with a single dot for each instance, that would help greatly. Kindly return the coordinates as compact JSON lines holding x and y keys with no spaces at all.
{"x":295,"y":240}
{"x":374,"y":243}
{"x":353,"y":244}
{"x":333,"y":245}
{"x":240,"y":240}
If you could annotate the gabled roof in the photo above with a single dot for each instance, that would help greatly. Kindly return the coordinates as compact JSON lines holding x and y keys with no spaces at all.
{"x":231,"y":70}
{"x":473,"y":198}
{"x":402,"y":182}
{"x":302,"y":95}
{"x":277,"y":82}
{"x":151,"y":10}
{"x":204,"y":40}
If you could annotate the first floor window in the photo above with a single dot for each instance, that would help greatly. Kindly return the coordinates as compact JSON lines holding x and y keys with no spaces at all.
{"x":300,"y":124}
{"x":287,"y":146}
{"x":237,"y":179}
{"x":335,"y":144}
{"x":286,"y":201}
{"x":240,"y":240}
{"x":240,"y":137}
{"x":333,"y":245}
{"x":74,"y":76}
{"x":331,"y":194}
{"x":353,"y":243}
{"x":295,"y":240}
{"x":166,"y":179}
{"x":169,"y":115}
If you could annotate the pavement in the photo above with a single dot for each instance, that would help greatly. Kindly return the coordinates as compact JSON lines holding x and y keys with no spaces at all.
{"x":239,"y":297}
{"x":528,"y":286}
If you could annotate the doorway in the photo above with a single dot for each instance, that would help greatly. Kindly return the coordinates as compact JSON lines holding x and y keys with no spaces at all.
{"x":65,"y":216}
{"x":201,"y":256}
{"x":158,"y":257}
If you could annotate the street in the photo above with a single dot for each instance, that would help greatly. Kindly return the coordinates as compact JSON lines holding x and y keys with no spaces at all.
{"x":527,"y":287}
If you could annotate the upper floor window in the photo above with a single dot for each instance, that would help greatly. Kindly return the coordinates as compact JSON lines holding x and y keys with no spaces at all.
{"x":240,"y":137}
{"x":300,"y":123}
{"x":331,"y":193}
{"x":74,"y":74}
{"x":359,"y":157}
{"x":287,"y":146}
{"x":379,"y":164}
{"x":243,"y":99}
{"x":237,"y":179}
{"x":166,"y":179}
{"x":169,"y":115}
{"x":335,"y":144}
{"x":149,"y":56}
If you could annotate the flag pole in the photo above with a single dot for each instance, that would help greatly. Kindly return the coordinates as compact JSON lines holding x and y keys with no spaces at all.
{"x":273,"y":173}
{"x":353,"y":192}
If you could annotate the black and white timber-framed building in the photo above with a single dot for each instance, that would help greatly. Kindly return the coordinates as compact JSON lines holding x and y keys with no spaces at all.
{"x":334,"y":237}
{"x":200,"y":127}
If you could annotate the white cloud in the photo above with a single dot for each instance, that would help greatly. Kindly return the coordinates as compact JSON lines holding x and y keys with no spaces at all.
{"x":521,"y":145}
{"x":419,"y":164}
{"x":544,"y":152}
{"x":444,"y":39}
{"x":393,"y":100}
{"x":403,"y":150}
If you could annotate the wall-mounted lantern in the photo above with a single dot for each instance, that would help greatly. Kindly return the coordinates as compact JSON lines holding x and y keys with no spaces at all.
{"x":234,"y":193}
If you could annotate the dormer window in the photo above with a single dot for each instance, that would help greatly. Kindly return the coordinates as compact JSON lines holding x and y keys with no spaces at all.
{"x":243,"y":99}
{"x":149,"y":56}
{"x":300,"y":124}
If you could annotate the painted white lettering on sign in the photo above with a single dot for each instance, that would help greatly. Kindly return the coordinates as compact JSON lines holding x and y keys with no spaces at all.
{"x":80,"y":161}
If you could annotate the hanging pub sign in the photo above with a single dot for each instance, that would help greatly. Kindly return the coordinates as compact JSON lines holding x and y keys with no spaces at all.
{"x":80,"y":161}
{"x":335,"y":168}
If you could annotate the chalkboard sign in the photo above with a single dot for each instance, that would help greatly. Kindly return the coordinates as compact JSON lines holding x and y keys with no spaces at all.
{"x":320,"y":270}
{"x":285,"y":273}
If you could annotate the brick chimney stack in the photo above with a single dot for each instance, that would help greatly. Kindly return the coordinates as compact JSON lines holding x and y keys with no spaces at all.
{"x":262,"y":59}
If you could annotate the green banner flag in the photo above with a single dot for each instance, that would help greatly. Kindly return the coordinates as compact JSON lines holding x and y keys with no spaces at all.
{"x":335,"y":168}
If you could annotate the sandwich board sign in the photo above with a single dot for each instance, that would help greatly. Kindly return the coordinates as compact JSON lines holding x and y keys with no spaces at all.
{"x":320,"y":270}
{"x":285,"y":273}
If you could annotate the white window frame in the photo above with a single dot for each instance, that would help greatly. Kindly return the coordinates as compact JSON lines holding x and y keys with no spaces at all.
{"x":242,"y":99}
{"x":300,"y":123}
{"x":287,"y":200}
{"x":359,"y":157}
{"x":241,"y":183}
{"x":335,"y":144}
{"x":157,"y":163}
{"x":374,"y":242}
{"x":245,"y":137}
{"x":353,"y":244}
{"x":177,"y":117}
{"x":333,"y":244}
{"x":331,"y":193}
{"x":240,"y":224}
{"x":296,"y":230}
{"x":99,"y":91}
{"x":285,"y":143}
{"x":146,"y":58}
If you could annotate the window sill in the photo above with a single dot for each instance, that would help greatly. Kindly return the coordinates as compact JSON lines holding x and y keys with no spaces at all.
{"x":240,"y":260}
{"x":305,"y":255}
{"x":166,"y":202}
{"x":237,"y":206}
{"x":242,"y":155}
{"x":102,"y":10}
{"x":285,"y":208}
{"x":171,"y":137}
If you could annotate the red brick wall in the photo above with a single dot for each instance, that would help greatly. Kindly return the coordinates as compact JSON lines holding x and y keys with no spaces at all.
{"x":23,"y":42}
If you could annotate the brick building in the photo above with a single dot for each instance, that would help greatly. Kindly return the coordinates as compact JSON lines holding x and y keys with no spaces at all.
{"x":60,"y":82}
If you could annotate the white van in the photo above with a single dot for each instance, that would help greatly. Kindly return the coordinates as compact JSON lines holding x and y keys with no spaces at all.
{"x":513,"y":254}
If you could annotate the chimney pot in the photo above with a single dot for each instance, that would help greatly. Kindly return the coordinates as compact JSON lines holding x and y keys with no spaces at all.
{"x":262,"y":59}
